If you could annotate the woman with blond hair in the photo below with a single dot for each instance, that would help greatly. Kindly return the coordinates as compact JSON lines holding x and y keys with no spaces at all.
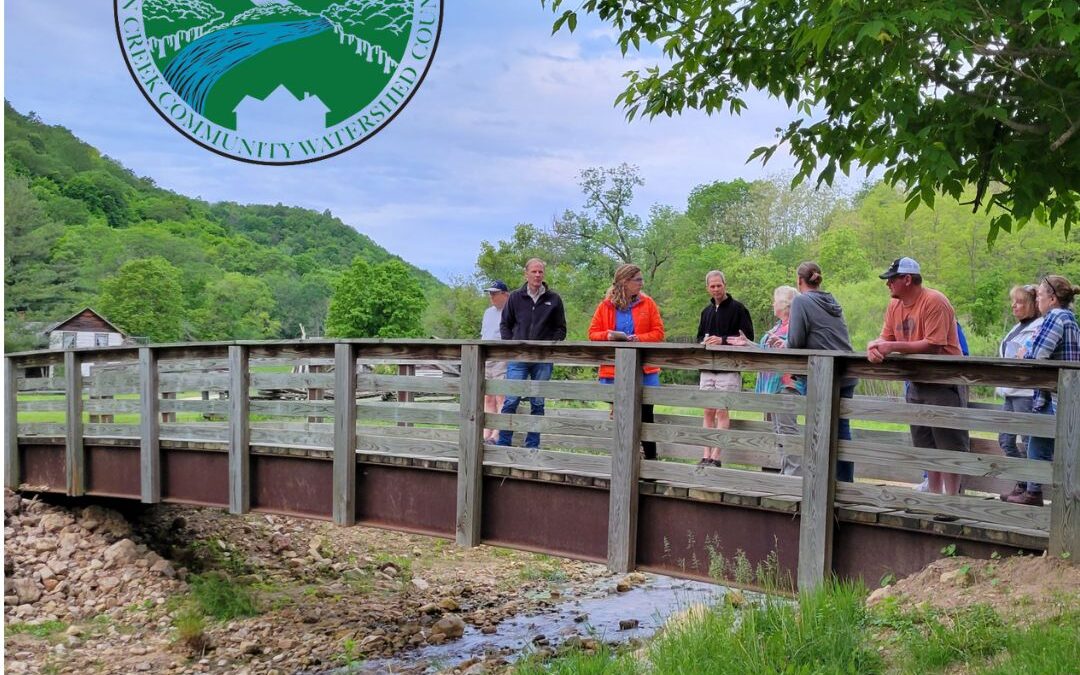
{"x":1024,"y":309}
{"x":1058,"y":339}
{"x":626,"y":314}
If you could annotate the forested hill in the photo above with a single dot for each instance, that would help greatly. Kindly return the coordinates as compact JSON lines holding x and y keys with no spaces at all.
{"x":74,"y":217}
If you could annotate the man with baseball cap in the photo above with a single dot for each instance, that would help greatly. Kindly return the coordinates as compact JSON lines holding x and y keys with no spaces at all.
{"x":497,"y":292}
{"x":920,"y":320}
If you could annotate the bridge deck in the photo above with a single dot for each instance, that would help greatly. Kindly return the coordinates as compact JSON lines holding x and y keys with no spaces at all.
{"x":207,"y":435}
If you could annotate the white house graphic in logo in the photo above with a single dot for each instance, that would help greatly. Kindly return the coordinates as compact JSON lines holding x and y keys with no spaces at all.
{"x":281,"y":115}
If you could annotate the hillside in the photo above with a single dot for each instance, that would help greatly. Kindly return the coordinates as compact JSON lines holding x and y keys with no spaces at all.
{"x":73,"y":217}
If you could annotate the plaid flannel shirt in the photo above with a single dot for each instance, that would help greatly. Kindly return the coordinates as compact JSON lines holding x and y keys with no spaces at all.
{"x":1058,"y":339}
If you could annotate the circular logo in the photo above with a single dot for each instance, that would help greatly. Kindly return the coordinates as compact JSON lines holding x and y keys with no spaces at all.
{"x":278,"y":81}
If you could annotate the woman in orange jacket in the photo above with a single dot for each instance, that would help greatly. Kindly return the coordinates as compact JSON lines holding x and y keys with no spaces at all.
{"x":627,"y":314}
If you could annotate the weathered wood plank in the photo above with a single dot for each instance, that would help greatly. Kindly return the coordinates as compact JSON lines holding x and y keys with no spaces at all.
{"x":544,"y":424}
{"x":625,"y":463}
{"x":718,"y":479}
{"x":422,"y":385}
{"x":294,"y":408}
{"x":239,"y":431}
{"x":12,"y":473}
{"x":547,"y":460}
{"x":553,"y":389}
{"x":693,"y":397}
{"x":75,"y":455}
{"x":1065,"y":494}
{"x":149,"y":428}
{"x":696,"y":357}
{"x":736,"y":440}
{"x":1022,"y":373}
{"x":292,"y":380}
{"x":819,"y":476}
{"x":194,"y":382}
{"x":344,"y":507}
{"x":921,"y":459}
{"x":975,"y":508}
{"x":35,"y":384}
{"x":470,"y":474}
{"x":175,"y":405}
{"x":408,"y":447}
{"x":947,"y":417}
{"x":425,"y":413}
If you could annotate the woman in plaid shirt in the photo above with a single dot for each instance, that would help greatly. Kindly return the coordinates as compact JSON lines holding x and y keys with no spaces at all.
{"x":1058,"y":339}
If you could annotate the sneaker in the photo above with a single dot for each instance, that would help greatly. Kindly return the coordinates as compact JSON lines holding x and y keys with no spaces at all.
{"x":705,"y":461}
{"x":1017,"y":490}
{"x":1027,"y":498}
{"x":924,"y":486}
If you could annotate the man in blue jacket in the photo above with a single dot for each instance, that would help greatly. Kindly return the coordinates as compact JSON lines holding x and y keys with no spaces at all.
{"x":532,"y":312}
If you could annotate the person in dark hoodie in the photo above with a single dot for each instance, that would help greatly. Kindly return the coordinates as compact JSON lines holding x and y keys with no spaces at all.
{"x":817,"y":322}
{"x":724,"y":321}
{"x":532,"y":312}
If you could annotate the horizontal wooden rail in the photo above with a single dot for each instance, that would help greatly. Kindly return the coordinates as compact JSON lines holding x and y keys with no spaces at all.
{"x":692,"y":397}
{"x":556,"y":389}
{"x":949,"y":417}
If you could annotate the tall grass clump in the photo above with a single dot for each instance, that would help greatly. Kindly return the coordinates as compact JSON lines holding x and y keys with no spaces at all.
{"x":601,"y":662}
{"x":826,"y":631}
{"x":218,"y":596}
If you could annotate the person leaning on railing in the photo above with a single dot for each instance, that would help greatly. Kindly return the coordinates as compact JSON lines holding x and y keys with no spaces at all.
{"x":626,"y":314}
{"x":772,"y":382}
{"x":817,"y":322}
{"x":1057,"y":339}
{"x":1022,"y":303}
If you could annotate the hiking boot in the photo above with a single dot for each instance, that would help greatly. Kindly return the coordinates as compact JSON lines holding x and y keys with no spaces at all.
{"x":1028,"y":498}
{"x":705,"y":461}
{"x":1017,"y":490}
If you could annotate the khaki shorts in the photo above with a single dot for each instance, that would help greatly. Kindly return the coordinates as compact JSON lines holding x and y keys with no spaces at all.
{"x":714,"y":380}
{"x":495,"y":370}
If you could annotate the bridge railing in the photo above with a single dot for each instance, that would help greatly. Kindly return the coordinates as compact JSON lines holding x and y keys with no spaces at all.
{"x":282,"y":397}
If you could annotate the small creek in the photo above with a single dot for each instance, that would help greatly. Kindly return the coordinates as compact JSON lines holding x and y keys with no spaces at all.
{"x":591,"y":612}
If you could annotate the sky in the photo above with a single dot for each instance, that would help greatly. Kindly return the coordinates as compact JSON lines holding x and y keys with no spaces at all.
{"x":504,"y":122}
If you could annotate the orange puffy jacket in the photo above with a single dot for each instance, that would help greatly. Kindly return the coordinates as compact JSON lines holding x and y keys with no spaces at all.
{"x":648,"y":327}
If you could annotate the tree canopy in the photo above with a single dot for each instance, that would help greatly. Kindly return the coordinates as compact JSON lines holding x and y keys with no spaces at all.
{"x":942,"y":95}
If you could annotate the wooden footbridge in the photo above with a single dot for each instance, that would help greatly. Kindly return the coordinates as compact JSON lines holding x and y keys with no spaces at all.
{"x":185,"y":424}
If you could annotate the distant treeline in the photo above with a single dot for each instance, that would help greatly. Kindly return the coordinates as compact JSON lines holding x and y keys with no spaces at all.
{"x":80,"y":229}
{"x":757,"y":233}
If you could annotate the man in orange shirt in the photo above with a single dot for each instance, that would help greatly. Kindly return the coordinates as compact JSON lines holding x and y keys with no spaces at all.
{"x":920,"y":320}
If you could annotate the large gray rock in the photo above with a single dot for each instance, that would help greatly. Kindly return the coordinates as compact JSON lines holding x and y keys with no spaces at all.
{"x":450,"y":625}
{"x":27,"y":591}
{"x":54,"y":522}
{"x":122,"y":552}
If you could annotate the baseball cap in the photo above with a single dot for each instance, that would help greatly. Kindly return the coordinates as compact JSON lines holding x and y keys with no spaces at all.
{"x":496,"y":286}
{"x":900,"y":266}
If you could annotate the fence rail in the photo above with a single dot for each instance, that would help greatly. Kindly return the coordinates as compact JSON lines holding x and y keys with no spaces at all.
{"x":251,"y":397}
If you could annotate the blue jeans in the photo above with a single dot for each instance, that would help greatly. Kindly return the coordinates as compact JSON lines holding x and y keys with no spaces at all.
{"x":1008,"y":441}
{"x":522,"y":370}
{"x":647,"y":413}
{"x":1040,"y":448}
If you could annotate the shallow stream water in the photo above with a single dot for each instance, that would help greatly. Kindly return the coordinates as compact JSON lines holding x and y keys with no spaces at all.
{"x":591,"y":612}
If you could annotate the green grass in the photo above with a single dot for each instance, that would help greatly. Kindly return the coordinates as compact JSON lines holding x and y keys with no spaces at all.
{"x":219,"y":597}
{"x":1046,"y":647}
{"x":44,"y":630}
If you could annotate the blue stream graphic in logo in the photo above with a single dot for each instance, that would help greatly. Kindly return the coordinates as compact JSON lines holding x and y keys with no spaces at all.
{"x":198,"y":66}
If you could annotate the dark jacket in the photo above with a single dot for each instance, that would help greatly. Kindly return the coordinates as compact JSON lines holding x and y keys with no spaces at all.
{"x":725,"y":320}
{"x":524,"y":320}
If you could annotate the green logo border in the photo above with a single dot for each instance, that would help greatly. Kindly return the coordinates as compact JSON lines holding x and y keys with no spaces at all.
{"x":345,"y":148}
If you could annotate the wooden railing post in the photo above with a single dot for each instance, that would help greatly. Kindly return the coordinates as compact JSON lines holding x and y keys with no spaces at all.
{"x":75,"y":455}
{"x":149,"y":427}
{"x":239,"y":431}
{"x":11,"y":428}
{"x":623,"y":495}
{"x":470,"y":474}
{"x":819,"y":473}
{"x":344,"y":484}
{"x":1065,"y":494}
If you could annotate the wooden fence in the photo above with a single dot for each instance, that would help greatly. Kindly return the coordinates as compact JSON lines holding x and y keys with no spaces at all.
{"x":216,"y":394}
